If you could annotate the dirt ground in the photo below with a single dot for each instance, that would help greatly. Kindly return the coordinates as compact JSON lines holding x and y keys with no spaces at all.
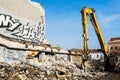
{"x":111,"y":76}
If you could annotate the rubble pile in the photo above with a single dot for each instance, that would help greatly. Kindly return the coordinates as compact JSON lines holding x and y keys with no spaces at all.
{"x":92,"y":65}
{"x":117,"y":64}
{"x":51,"y":69}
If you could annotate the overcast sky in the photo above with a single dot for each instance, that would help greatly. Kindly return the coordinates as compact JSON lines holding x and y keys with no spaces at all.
{"x":64,"y":23}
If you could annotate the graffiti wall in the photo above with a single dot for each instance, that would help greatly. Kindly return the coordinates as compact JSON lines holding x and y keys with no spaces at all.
{"x":22,"y":29}
{"x":21,"y":24}
{"x":11,"y":56}
{"x":18,"y":23}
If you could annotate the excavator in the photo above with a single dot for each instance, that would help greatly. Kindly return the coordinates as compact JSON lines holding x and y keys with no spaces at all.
{"x":90,"y":13}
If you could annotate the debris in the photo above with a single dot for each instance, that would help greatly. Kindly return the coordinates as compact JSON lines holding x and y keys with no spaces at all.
{"x":51,"y":69}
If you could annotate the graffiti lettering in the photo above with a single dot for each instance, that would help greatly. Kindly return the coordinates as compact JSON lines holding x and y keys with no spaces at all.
{"x":31,"y":32}
{"x":27,"y":32}
{"x":6,"y":21}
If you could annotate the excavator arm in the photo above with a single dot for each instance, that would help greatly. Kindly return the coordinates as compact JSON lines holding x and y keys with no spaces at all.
{"x":91,"y":13}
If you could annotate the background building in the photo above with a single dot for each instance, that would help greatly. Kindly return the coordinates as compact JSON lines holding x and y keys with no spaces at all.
{"x":114,"y":45}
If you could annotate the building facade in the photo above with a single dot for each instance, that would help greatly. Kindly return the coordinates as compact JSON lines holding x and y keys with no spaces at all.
{"x":114,"y":45}
{"x":96,"y":56}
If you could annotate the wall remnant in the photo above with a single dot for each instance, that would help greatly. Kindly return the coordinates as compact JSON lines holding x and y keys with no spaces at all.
{"x":27,"y":31}
{"x":22,"y":31}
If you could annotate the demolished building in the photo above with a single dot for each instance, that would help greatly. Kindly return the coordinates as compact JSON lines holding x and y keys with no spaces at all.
{"x":23,"y":40}
{"x":22,"y":32}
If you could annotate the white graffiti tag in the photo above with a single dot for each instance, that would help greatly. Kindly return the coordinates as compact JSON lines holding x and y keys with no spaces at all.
{"x":33,"y":33}
{"x":6,"y":21}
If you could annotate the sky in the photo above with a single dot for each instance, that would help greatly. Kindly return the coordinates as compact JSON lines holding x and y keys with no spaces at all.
{"x":64,"y":22}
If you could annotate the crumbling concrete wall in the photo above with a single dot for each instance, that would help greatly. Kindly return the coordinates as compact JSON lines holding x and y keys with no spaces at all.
{"x":21,"y":22}
{"x":12,"y":56}
{"x":22,"y":19}
{"x":22,"y":31}
{"x":76,"y":56}
{"x":44,"y":57}
{"x":24,"y":8}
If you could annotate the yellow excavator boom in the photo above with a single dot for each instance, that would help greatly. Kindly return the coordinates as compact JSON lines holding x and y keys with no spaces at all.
{"x":91,"y":13}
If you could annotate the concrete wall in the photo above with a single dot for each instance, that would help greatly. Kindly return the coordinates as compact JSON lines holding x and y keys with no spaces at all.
{"x":22,"y":19}
{"x":12,"y":56}
{"x":24,"y":8}
{"x":22,"y":32}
